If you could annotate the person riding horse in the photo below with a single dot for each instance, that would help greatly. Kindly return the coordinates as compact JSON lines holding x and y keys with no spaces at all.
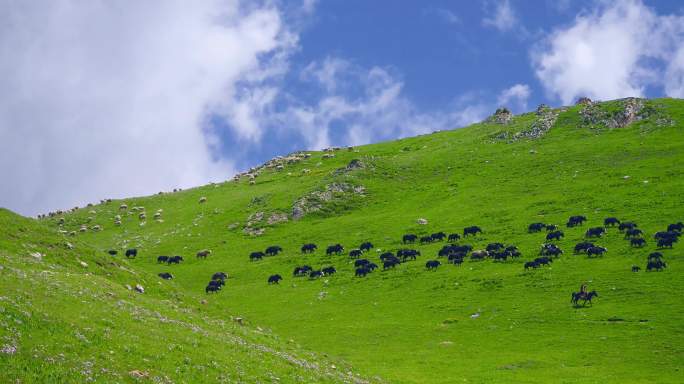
{"x":583,"y":295}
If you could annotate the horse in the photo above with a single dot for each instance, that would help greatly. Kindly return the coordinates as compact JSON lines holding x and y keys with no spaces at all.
{"x":584,"y":296}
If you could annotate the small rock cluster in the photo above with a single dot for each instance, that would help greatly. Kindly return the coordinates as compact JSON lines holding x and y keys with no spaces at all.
{"x":546,"y":118}
{"x":353,"y":165}
{"x":314,"y":201}
{"x":501,"y":116}
{"x":256,"y":219}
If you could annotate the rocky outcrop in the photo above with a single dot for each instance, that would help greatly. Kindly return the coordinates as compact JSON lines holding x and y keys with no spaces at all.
{"x":353,"y":165}
{"x":501,"y":116}
{"x":316,"y":200}
{"x":546,"y":118}
{"x":257,"y":220}
{"x":584,"y":101}
{"x":277,"y":217}
{"x":628,"y":112}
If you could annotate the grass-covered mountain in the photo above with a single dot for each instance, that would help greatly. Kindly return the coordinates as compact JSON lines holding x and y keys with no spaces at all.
{"x":482,"y":321}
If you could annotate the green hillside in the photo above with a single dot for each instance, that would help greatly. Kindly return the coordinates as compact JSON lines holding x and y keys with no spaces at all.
{"x":482,"y":321}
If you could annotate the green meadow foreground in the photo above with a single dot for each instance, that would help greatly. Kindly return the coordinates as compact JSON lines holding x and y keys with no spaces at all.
{"x":70,"y":311}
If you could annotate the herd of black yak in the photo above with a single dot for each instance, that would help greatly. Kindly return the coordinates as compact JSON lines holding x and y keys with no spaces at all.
{"x":456,"y":252}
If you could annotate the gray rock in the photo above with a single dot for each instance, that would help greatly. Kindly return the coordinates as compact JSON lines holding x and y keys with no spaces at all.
{"x":501,"y":116}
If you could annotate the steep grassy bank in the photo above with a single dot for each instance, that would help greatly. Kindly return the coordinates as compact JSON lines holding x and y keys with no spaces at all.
{"x":67,"y":316}
{"x":483,"y":321}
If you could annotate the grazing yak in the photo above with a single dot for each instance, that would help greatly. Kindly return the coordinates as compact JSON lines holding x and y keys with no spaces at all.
{"x":390,"y":263}
{"x":131,"y":253}
{"x":676,"y":227}
{"x":480,"y":254}
{"x":361,"y":272}
{"x":453,"y":237}
{"x":410,"y":238}
{"x":666,"y":243}
{"x":219,"y":276}
{"x":334,"y":249}
{"x":595,"y":232}
{"x":113,"y":252}
{"x":656,"y":265}
{"x":256,"y":256}
{"x":366,"y":246}
{"x":632,"y":233}
{"x":273,"y":250}
{"x":432,"y":264}
{"x":301,"y":271}
{"x":327,"y":271}
{"x":454,"y":249}
{"x":543,"y":261}
{"x":162,"y":259}
{"x":491,"y":247}
{"x":551,"y":227}
{"x":611,"y":221}
{"x":315,"y":274}
{"x":308,"y":248}
{"x":626,"y":225}
{"x":174,"y":260}
{"x":512,"y":251}
{"x":407,"y":254}
{"x":386,"y":256}
{"x":655,"y":256}
{"x":426,"y":239}
{"x":456,"y":259}
{"x":535,"y":227}
{"x":596,"y":251}
{"x":355,"y":253}
{"x":583,"y":246}
{"x":667,"y":235}
{"x":165,"y":276}
{"x":213,"y":286}
{"x":472,"y":230}
{"x":574,"y":221}
{"x":637,"y":242}
{"x":439,"y":236}
{"x":531,"y":264}
{"x":203,"y":254}
{"x":361,"y":262}
{"x":274,"y":279}
{"x":555,"y":235}
{"x":550,"y":250}
{"x":636,"y":268}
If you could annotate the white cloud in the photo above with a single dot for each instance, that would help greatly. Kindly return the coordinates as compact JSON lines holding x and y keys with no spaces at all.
{"x":614,"y":51}
{"x":518,"y":95}
{"x":674,"y":75}
{"x":326,"y":72}
{"x":105,"y":99}
{"x":503,"y":18}
{"x":379,"y":111}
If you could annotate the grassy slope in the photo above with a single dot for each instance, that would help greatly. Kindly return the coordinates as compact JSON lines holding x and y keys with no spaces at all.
{"x":408,"y":325}
{"x":73,"y":322}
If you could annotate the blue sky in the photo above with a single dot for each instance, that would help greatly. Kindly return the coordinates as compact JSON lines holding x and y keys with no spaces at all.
{"x":446,"y":54}
{"x":129,"y":98}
